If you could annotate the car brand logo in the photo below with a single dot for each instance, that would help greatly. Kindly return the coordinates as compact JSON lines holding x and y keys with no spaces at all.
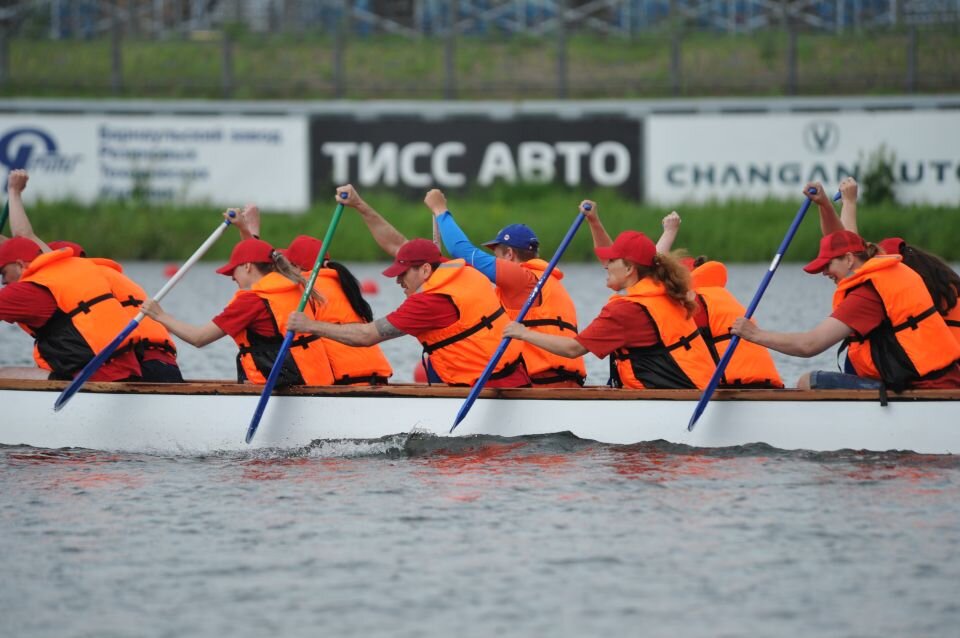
{"x":35,"y":150}
{"x":821,"y":136}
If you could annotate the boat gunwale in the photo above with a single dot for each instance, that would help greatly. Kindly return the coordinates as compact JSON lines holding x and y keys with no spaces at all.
{"x":416,"y":391}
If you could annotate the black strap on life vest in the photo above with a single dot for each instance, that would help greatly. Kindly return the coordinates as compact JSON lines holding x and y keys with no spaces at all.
{"x":508,"y":369}
{"x":485,"y":322}
{"x":146,"y":344}
{"x":371,"y":379}
{"x":556,"y":375}
{"x":303,"y":341}
{"x":131,"y":301}
{"x":953,"y":323}
{"x":555,"y":321}
{"x":85,"y":306}
{"x":913,"y":322}
{"x":684,"y":342}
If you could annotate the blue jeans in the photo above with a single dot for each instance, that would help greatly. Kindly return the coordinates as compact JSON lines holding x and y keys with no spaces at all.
{"x":824,"y":380}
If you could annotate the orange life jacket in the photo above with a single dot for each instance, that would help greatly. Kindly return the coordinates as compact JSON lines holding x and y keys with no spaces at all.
{"x":88,"y":316}
{"x":680,"y":359}
{"x":306,"y":362}
{"x":150,"y":334}
{"x":913,"y":341}
{"x":351,"y":365}
{"x":555,"y":315}
{"x":952,"y":317}
{"x":460,"y":352}
{"x":751,"y":364}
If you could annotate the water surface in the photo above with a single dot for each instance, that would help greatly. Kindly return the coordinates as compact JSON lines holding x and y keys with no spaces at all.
{"x":538,"y":536}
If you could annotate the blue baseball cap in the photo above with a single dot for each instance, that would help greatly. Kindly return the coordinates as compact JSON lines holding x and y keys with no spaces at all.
{"x":516,"y":236}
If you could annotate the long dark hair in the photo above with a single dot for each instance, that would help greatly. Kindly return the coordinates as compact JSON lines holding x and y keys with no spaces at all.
{"x":351,"y":288}
{"x":941,"y":280}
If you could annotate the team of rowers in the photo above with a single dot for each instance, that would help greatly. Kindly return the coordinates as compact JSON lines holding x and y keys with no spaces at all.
{"x":668,"y":324}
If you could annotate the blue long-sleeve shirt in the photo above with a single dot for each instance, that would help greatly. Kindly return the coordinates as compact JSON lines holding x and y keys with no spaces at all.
{"x":459,"y":247}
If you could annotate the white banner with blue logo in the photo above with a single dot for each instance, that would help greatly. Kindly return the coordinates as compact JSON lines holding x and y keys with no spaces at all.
{"x":757,"y":155}
{"x":220,"y":161}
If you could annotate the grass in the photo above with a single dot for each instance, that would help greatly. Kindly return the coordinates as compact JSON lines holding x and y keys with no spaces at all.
{"x":383,"y":66}
{"x":734,"y":231}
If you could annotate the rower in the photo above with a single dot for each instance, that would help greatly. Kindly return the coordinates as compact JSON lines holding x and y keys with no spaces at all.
{"x":450,"y":308}
{"x":648,"y":332}
{"x":64,"y":302}
{"x":941,"y":281}
{"x":882,"y":312}
{"x":269,"y":288}
{"x":751,"y":366}
{"x":343,"y":303}
{"x":152,"y":343}
{"x":515,"y":268}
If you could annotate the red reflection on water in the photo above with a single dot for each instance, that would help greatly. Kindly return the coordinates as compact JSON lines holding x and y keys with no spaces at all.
{"x":490,"y":458}
{"x":81,"y":468}
{"x":659,"y":466}
{"x":298,"y":469}
{"x":467,"y":475}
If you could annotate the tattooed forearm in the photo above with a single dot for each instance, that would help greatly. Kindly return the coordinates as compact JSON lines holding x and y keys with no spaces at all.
{"x":387,"y":330}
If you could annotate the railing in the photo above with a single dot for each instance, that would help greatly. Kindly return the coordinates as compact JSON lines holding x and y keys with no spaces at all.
{"x":477,"y":48}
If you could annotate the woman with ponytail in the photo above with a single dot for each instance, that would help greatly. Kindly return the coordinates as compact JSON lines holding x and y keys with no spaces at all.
{"x":648,"y":331}
{"x":343,"y":303}
{"x":894,"y":335}
{"x":270,"y":288}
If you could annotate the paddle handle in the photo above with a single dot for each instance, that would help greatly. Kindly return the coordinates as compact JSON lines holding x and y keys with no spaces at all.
{"x":194,"y":258}
{"x":323,"y":251}
{"x":94,"y":364}
{"x":487,"y":371}
{"x":735,"y":339}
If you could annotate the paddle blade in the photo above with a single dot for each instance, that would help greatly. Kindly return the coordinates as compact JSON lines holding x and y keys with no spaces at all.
{"x":475,"y":390}
{"x":268,"y":386}
{"x":93,"y":365}
{"x":714,"y":382}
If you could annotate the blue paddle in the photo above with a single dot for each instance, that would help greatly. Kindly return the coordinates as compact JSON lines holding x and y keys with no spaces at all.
{"x":735,"y":340}
{"x":288,"y":339}
{"x":104,"y":354}
{"x":475,"y":391}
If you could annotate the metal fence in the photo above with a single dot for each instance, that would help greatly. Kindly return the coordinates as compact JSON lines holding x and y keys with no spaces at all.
{"x":479,"y":48}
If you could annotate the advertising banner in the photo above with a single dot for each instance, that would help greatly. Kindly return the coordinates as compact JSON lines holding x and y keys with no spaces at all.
{"x":416,"y":154}
{"x":753,"y":156}
{"x":221,"y":161}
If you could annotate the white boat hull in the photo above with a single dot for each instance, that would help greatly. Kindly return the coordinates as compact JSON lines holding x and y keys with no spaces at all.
{"x":200,"y":418}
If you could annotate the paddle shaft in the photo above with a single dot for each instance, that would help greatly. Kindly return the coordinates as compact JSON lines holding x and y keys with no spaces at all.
{"x":4,"y":215}
{"x":475,"y":391}
{"x":735,"y":339}
{"x":288,"y":338}
{"x":94,"y":364}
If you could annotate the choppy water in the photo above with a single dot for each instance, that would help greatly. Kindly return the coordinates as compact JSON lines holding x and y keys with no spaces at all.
{"x":541,"y":536}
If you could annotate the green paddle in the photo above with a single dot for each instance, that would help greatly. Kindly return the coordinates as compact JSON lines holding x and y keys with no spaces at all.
{"x":288,"y":339}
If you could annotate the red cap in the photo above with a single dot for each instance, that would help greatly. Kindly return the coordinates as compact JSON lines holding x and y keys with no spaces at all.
{"x":78,"y":250}
{"x":631,"y":245}
{"x":415,"y":252}
{"x":835,"y":245}
{"x":892,"y":245}
{"x":302,"y":252}
{"x":18,"y":249}
{"x":248,"y":251}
